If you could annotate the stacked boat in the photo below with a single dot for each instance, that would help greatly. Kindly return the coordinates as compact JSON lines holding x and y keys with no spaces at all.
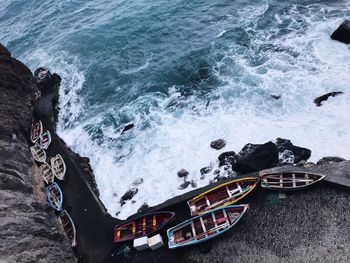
{"x":51,"y":170}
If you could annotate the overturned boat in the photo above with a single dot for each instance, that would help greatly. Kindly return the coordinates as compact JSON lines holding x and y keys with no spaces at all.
{"x":206,"y":226}
{"x":38,"y":153}
{"x":222,"y":195}
{"x":142,"y":226}
{"x":58,"y":167}
{"x":289,"y":180}
{"x":68,"y":227}
{"x":46,"y":173}
{"x":45,"y":140}
{"x":36,"y":131}
{"x":55,"y":196}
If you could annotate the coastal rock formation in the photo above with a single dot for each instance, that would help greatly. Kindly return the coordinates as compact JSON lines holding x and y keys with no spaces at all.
{"x":299,"y":153}
{"x":227,"y":158}
{"x":342,"y":33}
{"x":318,"y":101}
{"x":29,"y":231}
{"x":218,"y":144}
{"x":330,"y":159}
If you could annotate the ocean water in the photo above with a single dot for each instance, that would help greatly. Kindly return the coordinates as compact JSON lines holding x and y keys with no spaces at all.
{"x":185,"y":73}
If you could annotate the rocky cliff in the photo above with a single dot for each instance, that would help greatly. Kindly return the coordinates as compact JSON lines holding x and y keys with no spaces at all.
{"x":29,"y":231}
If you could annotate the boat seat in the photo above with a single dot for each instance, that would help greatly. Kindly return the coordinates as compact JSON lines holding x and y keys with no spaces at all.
{"x":220,"y":220}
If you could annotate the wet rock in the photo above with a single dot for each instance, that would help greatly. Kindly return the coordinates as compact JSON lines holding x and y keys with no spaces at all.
{"x":129,"y":194}
{"x":261,"y":157}
{"x":193,"y":184}
{"x":182,"y":173}
{"x":276,"y":97}
{"x":137,"y":181}
{"x":4,"y":51}
{"x":342,"y":33}
{"x":205,"y":170}
{"x":127,"y":127}
{"x":143,"y":208}
{"x":286,"y":157}
{"x":330,"y":159}
{"x":184,"y":185}
{"x":218,"y":144}
{"x":299,"y":153}
{"x":227,"y":158}
{"x":318,"y":100}
{"x":247,"y":149}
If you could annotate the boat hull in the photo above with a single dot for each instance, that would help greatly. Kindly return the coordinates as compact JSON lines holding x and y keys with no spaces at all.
{"x":222,"y":195}
{"x":55,"y":196}
{"x":68,"y":227}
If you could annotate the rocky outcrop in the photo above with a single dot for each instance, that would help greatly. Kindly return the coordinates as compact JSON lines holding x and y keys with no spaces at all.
{"x":318,"y":101}
{"x":330,"y":159}
{"x":29,"y":231}
{"x":342,"y":33}
{"x":287,"y":150}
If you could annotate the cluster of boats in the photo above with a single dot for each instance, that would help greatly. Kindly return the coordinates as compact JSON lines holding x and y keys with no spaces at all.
{"x":51,"y":169}
{"x":212,"y":212}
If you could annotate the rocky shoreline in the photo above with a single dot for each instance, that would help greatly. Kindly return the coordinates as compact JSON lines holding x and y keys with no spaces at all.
{"x":317,"y":219}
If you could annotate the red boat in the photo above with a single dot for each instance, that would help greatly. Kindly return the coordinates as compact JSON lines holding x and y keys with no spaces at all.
{"x":142,"y":226}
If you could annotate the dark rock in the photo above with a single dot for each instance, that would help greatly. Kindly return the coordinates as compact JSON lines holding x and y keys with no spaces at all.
{"x":247,"y":149}
{"x":138,"y":181}
{"x":143,"y":208}
{"x":342,"y":33}
{"x":184,"y":185}
{"x":127,"y":127}
{"x":206,"y":170}
{"x":318,"y":100}
{"x":262,"y":157}
{"x":182,"y":173}
{"x":218,"y":144}
{"x":227,"y":158}
{"x":286,"y":157}
{"x":276,"y":97}
{"x":193,"y":183}
{"x":299,"y":153}
{"x":129,"y":194}
{"x":4,"y":51}
{"x":330,"y":159}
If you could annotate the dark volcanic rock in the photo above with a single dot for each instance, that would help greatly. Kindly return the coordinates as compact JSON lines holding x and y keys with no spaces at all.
{"x":299,"y":153}
{"x":193,"y":183}
{"x":227,"y":158}
{"x":330,"y":159}
{"x":318,"y":100}
{"x":286,"y":157}
{"x":218,"y":144}
{"x":261,"y":157}
{"x":127,"y":127}
{"x":276,"y":97}
{"x":247,"y":149}
{"x":129,"y":194}
{"x":342,"y":33}
{"x":184,"y":185}
{"x":182,"y":173}
{"x":206,"y":170}
{"x":29,"y":231}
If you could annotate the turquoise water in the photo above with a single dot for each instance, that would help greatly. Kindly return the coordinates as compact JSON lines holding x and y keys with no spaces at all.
{"x":186,"y":73}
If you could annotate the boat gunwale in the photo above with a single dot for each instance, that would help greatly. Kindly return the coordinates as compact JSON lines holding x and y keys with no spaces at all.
{"x":48,"y":188}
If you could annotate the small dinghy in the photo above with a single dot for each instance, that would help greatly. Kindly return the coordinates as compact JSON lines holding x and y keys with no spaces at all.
{"x":206,"y":226}
{"x":38,"y":153}
{"x":36,"y":131}
{"x":45,"y":140}
{"x":142,"y":226}
{"x":54,"y":195}
{"x":68,"y":227}
{"x":222,"y":195}
{"x":46,"y":173}
{"x":289,"y":180}
{"x":58,"y":167}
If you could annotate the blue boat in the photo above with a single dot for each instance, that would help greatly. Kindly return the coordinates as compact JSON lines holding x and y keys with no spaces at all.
{"x":205,"y":226}
{"x":55,"y":196}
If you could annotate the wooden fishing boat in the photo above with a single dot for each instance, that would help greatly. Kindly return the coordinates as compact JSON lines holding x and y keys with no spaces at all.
{"x":289,"y":180}
{"x":58,"y":167}
{"x":36,"y":131}
{"x":55,"y":196}
{"x":46,"y":173}
{"x":45,"y":140}
{"x":38,"y":153}
{"x":142,"y":226}
{"x":68,"y":227}
{"x":205,"y":226}
{"x":222,"y":195}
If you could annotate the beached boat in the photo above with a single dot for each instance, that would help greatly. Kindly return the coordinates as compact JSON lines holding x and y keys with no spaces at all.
{"x":205,"y":226}
{"x":46,"y":172}
{"x":142,"y":226}
{"x":45,"y":140}
{"x":222,"y":195}
{"x":36,"y":131}
{"x":289,"y":180}
{"x":38,"y":153}
{"x":58,"y":167}
{"x":68,"y":227}
{"x":55,"y":196}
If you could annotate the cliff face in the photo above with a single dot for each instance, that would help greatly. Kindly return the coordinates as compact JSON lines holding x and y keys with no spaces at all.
{"x":29,"y":231}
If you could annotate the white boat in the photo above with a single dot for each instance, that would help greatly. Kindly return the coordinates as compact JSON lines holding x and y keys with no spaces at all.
{"x":46,"y":172}
{"x":58,"y":167}
{"x":38,"y":153}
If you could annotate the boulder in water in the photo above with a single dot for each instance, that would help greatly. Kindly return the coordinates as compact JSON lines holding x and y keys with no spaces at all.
{"x":184,"y":185}
{"x":342,"y":33}
{"x":127,"y":127}
{"x":257,"y":158}
{"x":129,"y":194}
{"x":227,"y":158}
{"x":299,"y":153}
{"x":205,"y":170}
{"x":330,"y":159}
{"x":218,"y":144}
{"x":318,"y":100}
{"x":182,"y":173}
